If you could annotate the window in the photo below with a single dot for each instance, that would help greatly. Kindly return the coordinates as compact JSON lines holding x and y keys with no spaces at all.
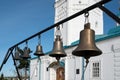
{"x":36,"y":72}
{"x":77,"y":71}
{"x":96,"y":69}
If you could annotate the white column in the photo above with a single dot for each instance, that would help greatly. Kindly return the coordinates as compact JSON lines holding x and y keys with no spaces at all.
{"x":70,"y":68}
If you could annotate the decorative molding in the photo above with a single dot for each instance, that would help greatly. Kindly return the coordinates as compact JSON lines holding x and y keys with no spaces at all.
{"x":115,"y":47}
{"x":59,"y":3}
{"x":70,"y":57}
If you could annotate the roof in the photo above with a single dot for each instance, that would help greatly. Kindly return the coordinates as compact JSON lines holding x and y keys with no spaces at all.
{"x":114,"y":32}
{"x":56,"y":64}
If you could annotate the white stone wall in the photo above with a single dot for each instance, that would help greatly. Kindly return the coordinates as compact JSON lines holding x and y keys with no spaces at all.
{"x":110,"y":60}
{"x":71,"y":29}
{"x":34,"y":69}
{"x":109,"y":64}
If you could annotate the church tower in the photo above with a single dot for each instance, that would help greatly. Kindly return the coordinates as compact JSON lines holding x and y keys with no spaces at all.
{"x":71,"y":30}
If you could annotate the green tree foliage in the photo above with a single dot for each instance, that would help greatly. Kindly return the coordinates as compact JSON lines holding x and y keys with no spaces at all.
{"x":2,"y":77}
{"x":23,"y":64}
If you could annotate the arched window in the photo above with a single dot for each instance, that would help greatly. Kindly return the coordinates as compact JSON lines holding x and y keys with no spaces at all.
{"x":58,"y":70}
{"x":60,"y":73}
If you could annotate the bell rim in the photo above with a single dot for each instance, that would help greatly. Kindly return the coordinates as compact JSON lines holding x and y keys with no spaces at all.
{"x":57,"y":55}
{"x":17,"y":58}
{"x":37,"y":54}
{"x":23,"y":57}
{"x":87,"y":53}
{"x":26,"y":57}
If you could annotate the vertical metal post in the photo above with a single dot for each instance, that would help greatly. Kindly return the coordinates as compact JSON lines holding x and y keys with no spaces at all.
{"x":5,"y":59}
{"x":15,"y":65}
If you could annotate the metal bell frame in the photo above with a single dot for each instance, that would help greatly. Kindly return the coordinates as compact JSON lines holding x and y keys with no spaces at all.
{"x":96,"y":5}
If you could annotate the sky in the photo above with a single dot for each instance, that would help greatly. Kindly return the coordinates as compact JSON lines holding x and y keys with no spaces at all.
{"x":19,"y":19}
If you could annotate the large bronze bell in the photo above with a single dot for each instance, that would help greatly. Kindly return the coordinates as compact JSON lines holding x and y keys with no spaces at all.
{"x":39,"y":51}
{"x":58,"y":50}
{"x":26,"y":54}
{"x":87,"y":47}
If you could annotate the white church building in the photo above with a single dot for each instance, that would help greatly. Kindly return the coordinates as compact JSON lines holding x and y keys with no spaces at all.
{"x":103,"y":67}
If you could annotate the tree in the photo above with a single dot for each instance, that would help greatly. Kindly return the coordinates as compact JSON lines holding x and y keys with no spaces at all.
{"x":2,"y":77}
{"x":23,"y":65}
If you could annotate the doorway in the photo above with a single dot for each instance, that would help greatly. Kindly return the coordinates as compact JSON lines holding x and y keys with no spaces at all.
{"x":60,"y":73}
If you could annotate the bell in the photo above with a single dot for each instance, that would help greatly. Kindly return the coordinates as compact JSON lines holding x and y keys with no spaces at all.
{"x":58,"y":50}
{"x":17,"y":54}
{"x":39,"y":51}
{"x":87,"y":47}
{"x":26,"y":51}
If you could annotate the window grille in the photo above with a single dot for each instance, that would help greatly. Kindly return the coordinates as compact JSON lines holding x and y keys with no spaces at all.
{"x":96,"y":70}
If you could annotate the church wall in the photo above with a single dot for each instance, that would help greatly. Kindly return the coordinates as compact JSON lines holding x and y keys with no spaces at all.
{"x":103,"y":67}
{"x":109,"y":64}
{"x":109,"y":61}
{"x":34,"y":69}
{"x":71,"y":29}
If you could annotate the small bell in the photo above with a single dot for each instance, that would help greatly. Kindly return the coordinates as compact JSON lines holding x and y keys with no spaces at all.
{"x":39,"y":51}
{"x":17,"y":57}
{"x":17,"y":54}
{"x":58,"y":50}
{"x":87,"y":47}
{"x":26,"y":51}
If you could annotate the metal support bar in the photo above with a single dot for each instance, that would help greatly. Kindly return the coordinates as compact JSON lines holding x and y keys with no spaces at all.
{"x":15,"y":65}
{"x":117,"y":19}
{"x":63,"y":21}
{"x":7,"y":56}
{"x":5,"y":59}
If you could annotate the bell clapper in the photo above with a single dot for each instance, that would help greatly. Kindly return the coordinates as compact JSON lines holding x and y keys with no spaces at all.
{"x":57,"y":58}
{"x":85,"y":67}
{"x":87,"y":61}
